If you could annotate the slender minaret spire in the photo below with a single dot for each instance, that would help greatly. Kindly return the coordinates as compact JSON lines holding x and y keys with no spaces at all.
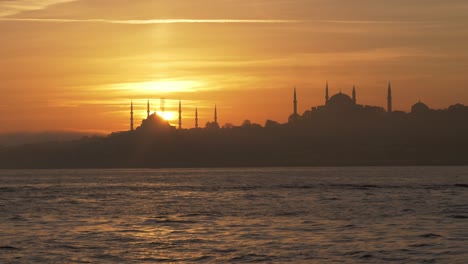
{"x":354,"y":94}
{"x":131,"y":115}
{"x":196,"y":116}
{"x":389,"y":98}
{"x":180,"y":114}
{"x":148,"y":109}
{"x":295,"y":103}
{"x":326,"y":94}
{"x":216,"y":114}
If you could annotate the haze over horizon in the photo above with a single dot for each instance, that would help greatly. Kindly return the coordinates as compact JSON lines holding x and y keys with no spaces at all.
{"x":75,"y":65}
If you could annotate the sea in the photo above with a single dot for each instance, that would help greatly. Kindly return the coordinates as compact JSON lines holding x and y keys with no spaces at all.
{"x":238,"y":215}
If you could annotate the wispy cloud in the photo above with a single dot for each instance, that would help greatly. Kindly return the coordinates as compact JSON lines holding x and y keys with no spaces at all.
{"x":146,"y":21}
{"x":11,"y":7}
{"x":212,"y":21}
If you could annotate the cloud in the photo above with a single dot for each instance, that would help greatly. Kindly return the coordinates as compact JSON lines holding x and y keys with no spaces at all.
{"x":12,"y":7}
{"x":397,"y":10}
{"x":76,"y":64}
{"x":146,"y":21}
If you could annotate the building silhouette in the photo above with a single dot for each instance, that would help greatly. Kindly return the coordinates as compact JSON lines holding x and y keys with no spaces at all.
{"x":354,"y":95}
{"x":148,"y":109}
{"x":339,"y":105}
{"x":326,"y":94}
{"x":131,"y":116}
{"x":389,"y":98}
{"x":196,"y":116}
{"x":420,"y":108}
{"x":343,"y":108}
{"x":214,"y":124}
{"x":180,"y":114}
{"x":154,"y":121}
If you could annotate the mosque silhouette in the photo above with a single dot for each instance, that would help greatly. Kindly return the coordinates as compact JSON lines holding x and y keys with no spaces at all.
{"x":344,"y":104}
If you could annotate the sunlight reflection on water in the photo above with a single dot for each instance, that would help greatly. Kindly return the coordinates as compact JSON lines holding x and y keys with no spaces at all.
{"x":235,"y":215}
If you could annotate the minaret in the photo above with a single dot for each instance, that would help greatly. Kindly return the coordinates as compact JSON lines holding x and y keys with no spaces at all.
{"x":389,"y":98}
{"x":196,"y":116}
{"x":216,"y":114}
{"x":354,"y":94}
{"x":148,"y":109}
{"x":131,"y":116}
{"x":295,"y":103}
{"x":326,"y":94}
{"x":180,"y":114}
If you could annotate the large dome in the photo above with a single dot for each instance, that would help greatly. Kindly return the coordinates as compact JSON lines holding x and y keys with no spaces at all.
{"x":154,"y":122}
{"x":340,"y":100}
{"x":419,"y":108}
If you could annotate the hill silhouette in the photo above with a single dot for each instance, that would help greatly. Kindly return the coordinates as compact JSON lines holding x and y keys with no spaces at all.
{"x":21,"y":138}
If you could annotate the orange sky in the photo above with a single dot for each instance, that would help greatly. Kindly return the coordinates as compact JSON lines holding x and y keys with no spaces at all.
{"x":75,"y":65}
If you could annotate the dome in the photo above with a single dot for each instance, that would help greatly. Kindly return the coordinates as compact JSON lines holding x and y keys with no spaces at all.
{"x":419,"y":108}
{"x":154,"y":123}
{"x":340,"y":100}
{"x":456,"y":107}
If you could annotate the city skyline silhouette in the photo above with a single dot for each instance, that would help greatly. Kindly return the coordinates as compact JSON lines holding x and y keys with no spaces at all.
{"x":340,"y":132}
{"x":339,"y":103}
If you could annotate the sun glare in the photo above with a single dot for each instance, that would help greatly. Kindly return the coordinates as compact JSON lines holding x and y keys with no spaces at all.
{"x":167,"y":86}
{"x":167,"y":115}
{"x":161,"y":86}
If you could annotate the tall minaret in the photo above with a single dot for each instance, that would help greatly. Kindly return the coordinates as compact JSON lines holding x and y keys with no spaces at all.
{"x":389,"y":98}
{"x":148,"y":109}
{"x":196,"y":116}
{"x":326,"y":94}
{"x":295,"y":102}
{"x":180,"y":114}
{"x":131,"y":115}
{"x":354,"y":94}
{"x":216,"y":114}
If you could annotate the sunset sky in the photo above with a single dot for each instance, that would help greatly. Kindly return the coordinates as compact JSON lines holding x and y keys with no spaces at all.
{"x":75,"y":65}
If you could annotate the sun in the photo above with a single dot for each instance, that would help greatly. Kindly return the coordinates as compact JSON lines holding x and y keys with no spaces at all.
{"x":167,"y":115}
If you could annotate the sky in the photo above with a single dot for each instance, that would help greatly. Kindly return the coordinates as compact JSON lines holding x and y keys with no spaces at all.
{"x":76,"y":65}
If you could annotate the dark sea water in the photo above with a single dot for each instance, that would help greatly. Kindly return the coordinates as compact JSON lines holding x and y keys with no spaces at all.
{"x":273,"y":215}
